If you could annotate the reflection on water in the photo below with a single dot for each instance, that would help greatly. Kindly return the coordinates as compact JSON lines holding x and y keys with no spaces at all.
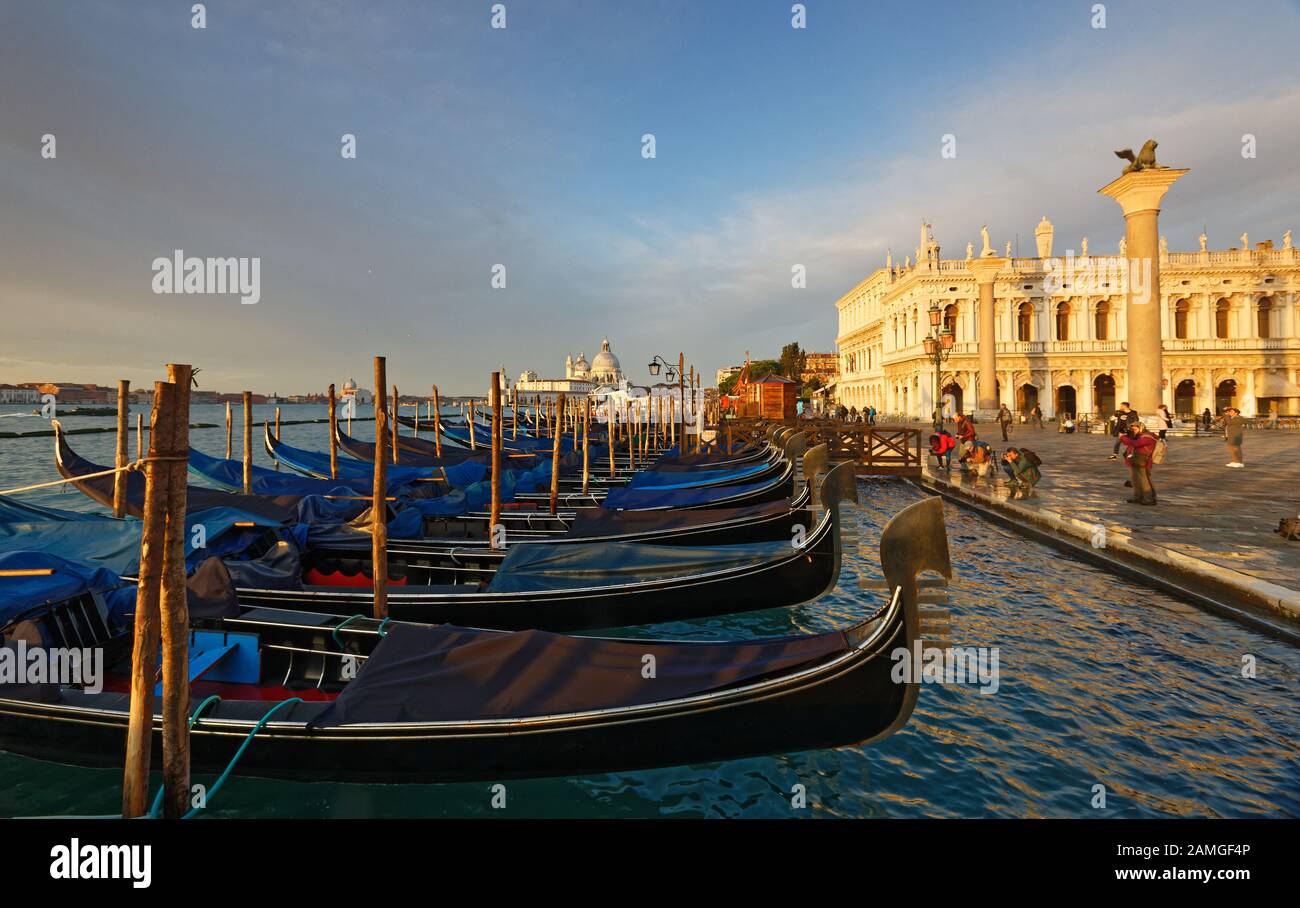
{"x":1102,"y":682}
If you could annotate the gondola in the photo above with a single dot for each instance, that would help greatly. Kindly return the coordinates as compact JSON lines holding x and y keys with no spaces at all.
{"x":779,"y":484}
{"x":441,"y":704}
{"x":465,"y":533}
{"x":596,"y":585}
{"x":573,"y":587}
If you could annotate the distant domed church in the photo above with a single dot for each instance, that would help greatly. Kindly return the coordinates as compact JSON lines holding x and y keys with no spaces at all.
{"x":604,"y":369}
{"x":580,"y":377}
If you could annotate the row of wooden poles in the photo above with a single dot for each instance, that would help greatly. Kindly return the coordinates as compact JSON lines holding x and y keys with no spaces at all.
{"x":162,"y":613}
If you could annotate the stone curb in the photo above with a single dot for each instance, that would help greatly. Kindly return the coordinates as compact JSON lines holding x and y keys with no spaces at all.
{"x":1260,"y":593}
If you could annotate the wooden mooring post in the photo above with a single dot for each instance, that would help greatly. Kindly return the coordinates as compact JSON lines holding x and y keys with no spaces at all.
{"x":555,"y":463}
{"x":248,"y":442}
{"x":230,"y":433}
{"x":175,"y":612}
{"x":397,"y":454}
{"x":437,"y":423}
{"x":334,"y":428}
{"x":379,"y":497}
{"x":161,"y":614}
{"x":494,"y":514}
{"x":123,"y":430}
{"x":586,"y":441}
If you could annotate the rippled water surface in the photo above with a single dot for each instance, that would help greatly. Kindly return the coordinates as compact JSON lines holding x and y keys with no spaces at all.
{"x":1102,"y":682}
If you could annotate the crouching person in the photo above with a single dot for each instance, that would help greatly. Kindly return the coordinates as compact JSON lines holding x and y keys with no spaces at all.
{"x":1022,"y":473}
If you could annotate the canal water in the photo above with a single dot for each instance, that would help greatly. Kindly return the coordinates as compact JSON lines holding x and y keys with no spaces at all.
{"x":1101,"y":683}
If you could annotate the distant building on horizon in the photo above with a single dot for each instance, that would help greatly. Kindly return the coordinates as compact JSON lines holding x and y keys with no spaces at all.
{"x":580,"y":378}
{"x":19,"y":394}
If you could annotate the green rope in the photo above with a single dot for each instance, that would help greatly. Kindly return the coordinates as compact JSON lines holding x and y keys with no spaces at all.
{"x":194,"y":717}
{"x":342,"y":625}
{"x":221,"y":780}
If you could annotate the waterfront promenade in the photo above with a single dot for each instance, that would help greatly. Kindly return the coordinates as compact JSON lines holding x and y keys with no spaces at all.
{"x":1210,"y":518}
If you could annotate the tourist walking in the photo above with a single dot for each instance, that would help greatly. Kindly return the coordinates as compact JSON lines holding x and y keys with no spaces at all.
{"x":1037,"y":414}
{"x":1234,"y":432}
{"x":1140,"y":446}
{"x":1004,"y":420}
{"x":1160,"y":423}
{"x":1120,"y":421}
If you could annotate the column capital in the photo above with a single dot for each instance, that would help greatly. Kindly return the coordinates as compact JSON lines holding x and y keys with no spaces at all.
{"x":1142,"y":190}
{"x":986,"y":269}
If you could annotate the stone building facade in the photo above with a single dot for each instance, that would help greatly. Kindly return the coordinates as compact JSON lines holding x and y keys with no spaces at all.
{"x":1230,"y":321}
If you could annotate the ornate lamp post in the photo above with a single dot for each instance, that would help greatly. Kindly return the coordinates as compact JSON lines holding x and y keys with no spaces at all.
{"x":678,"y":372}
{"x":938,"y":344}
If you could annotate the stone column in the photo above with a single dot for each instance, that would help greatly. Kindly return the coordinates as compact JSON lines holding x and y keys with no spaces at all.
{"x":1139,"y":194}
{"x":986,"y":270}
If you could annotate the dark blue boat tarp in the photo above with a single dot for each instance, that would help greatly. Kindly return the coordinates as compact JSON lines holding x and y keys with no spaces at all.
{"x":69,"y":578}
{"x":115,"y":544}
{"x":14,"y":511}
{"x":623,"y":498}
{"x":229,"y":475}
{"x":447,"y":673}
{"x":672,"y":479}
{"x":532,"y":568}
{"x":350,"y":470}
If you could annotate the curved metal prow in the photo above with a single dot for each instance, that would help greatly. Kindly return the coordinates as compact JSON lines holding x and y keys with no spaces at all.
{"x":815,"y":460}
{"x":840,"y":484}
{"x":915,"y":540}
{"x":795,"y":444}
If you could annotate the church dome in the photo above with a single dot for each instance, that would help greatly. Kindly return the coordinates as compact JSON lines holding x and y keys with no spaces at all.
{"x":605,"y":362}
{"x":349,"y":385}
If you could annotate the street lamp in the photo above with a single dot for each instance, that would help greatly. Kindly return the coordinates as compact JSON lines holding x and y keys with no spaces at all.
{"x":675,"y":372}
{"x":657,"y":363}
{"x":937,"y":347}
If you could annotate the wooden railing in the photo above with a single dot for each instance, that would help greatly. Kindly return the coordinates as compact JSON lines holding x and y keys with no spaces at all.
{"x":877,"y":450}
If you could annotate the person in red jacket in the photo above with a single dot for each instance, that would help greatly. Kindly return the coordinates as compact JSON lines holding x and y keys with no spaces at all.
{"x":941,"y":446}
{"x":1139,"y":444}
{"x":965,"y":428}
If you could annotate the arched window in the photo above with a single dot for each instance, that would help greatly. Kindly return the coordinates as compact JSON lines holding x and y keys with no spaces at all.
{"x":1102,"y":320}
{"x":1265,"y":306}
{"x":1025,"y":322}
{"x":950,"y":319}
{"x":1063,"y":322}
{"x":1182,"y":312}
{"x":1222,"y":311}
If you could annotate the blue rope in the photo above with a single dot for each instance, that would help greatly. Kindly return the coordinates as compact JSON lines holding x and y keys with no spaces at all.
{"x":383,"y":624}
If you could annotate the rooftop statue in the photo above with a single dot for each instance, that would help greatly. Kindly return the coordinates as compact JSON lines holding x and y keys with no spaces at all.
{"x":1143,"y":160}
{"x":988,"y":246}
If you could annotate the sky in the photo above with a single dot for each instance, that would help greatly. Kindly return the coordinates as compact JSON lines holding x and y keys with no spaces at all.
{"x":523,"y":147}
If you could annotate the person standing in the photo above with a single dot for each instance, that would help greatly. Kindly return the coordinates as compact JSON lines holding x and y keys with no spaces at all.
{"x":1037,"y":414}
{"x":1004,"y":420}
{"x":1120,"y":421}
{"x":1234,"y":432}
{"x":1206,"y":419}
{"x":1140,"y":445}
{"x":965,"y":428}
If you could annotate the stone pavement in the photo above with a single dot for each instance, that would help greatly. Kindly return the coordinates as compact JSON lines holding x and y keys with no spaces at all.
{"x":1223,"y":516}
